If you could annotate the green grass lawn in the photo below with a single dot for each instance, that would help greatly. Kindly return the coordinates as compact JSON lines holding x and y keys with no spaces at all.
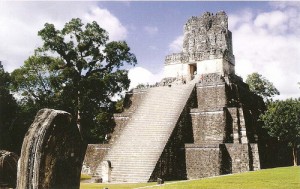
{"x":278,"y":178}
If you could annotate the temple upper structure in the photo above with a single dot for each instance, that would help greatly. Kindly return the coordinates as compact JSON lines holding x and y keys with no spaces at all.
{"x":207,"y":48}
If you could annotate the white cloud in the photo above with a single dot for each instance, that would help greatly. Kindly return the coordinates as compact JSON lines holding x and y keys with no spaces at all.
{"x":20,"y":22}
{"x":176,"y":45}
{"x":284,"y":4}
{"x":151,"y":30}
{"x":273,"y":21}
{"x":108,"y":21}
{"x":268,"y":43}
{"x":139,"y":75}
{"x":243,"y":16}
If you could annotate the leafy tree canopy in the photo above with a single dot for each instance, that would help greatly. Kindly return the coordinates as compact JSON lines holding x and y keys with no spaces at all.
{"x":8,"y":109}
{"x":261,"y":86}
{"x":142,"y":86}
{"x":78,"y":70}
{"x":282,"y":120}
{"x":37,"y":81}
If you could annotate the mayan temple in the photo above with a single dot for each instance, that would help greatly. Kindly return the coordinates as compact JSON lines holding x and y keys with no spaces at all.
{"x":200,"y":121}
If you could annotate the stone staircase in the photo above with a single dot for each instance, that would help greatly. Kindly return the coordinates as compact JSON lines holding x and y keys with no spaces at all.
{"x":135,"y":153}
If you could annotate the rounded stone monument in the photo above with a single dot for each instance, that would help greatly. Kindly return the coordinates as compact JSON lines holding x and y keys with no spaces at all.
{"x":52,"y":154}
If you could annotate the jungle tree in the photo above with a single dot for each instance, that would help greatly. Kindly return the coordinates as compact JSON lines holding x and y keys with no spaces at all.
{"x":282,"y":120}
{"x":79,"y":69}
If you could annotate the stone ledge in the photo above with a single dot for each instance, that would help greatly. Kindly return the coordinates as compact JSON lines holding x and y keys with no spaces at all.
{"x":202,"y":146}
{"x":199,"y":85}
{"x":210,"y":111}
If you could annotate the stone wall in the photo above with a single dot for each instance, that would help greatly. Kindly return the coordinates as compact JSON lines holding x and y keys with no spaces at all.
{"x":93,"y":157}
{"x":239,"y":155}
{"x":211,"y":98}
{"x":211,"y":92}
{"x":207,"y":46}
{"x":202,"y":160}
{"x":208,"y":127}
{"x":224,"y":128}
{"x":244,"y":157}
{"x":235,"y":123}
{"x":208,"y":35}
{"x":207,"y":160}
{"x":253,"y":148}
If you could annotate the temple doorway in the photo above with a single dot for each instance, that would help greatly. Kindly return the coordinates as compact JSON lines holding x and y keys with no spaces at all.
{"x":193,"y":70}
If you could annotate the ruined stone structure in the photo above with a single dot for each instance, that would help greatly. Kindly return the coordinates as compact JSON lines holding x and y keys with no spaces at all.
{"x":207,"y":48}
{"x":201,"y":121}
{"x":8,"y":169}
{"x":224,"y":128}
{"x":51,"y":153}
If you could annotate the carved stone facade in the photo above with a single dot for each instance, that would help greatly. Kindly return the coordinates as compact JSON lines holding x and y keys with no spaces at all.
{"x":207,"y":48}
{"x":208,"y":36}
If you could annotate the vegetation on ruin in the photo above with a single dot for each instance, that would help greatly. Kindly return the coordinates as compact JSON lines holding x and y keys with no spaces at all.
{"x":281,"y":178}
{"x":282,"y":120}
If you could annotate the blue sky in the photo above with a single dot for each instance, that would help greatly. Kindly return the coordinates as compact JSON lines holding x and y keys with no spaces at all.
{"x":166,"y":19}
{"x":266,"y":35}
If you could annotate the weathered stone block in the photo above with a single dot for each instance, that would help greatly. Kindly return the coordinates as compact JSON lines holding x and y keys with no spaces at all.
{"x":239,"y":154}
{"x":255,"y":156}
{"x":208,"y":35}
{"x":208,"y":127}
{"x":235,"y":124}
{"x":8,"y":169}
{"x":93,"y":157}
{"x":211,"y":97}
{"x":51,"y":155}
{"x":203,"y":160}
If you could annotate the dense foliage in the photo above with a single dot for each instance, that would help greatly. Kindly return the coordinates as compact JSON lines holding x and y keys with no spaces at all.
{"x":77,"y":70}
{"x":282,"y":120}
{"x":8,"y":109}
{"x":261,"y":86}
